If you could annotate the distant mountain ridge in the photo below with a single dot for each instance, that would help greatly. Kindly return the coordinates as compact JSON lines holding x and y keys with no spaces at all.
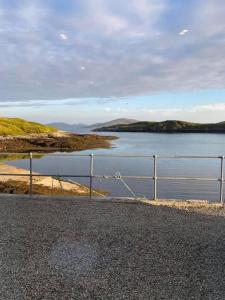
{"x":83,"y":127}
{"x":113,"y":122}
{"x":169,"y":126}
{"x":68,"y":127}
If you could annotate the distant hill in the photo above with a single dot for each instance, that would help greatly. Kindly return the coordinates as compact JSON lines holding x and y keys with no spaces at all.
{"x":172,"y":126}
{"x":68,"y":127}
{"x":112,"y":123}
{"x":16,"y":126}
{"x":83,"y":127}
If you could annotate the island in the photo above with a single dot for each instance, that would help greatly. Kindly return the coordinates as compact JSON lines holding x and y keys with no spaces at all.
{"x":170,"y":126}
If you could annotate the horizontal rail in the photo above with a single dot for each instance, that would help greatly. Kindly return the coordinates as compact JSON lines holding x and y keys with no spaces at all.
{"x":65,"y":154}
{"x":188,"y":157}
{"x":189,"y":178}
{"x":122,"y":176}
{"x":114,"y":177}
{"x":43,"y":154}
{"x":45,"y":175}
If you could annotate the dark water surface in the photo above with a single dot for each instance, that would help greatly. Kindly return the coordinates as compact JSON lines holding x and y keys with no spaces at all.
{"x":147,"y":144}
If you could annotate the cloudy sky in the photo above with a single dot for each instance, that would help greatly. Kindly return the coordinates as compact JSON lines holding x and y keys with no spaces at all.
{"x":94,"y":60}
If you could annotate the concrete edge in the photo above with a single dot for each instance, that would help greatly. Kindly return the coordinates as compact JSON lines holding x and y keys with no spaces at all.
{"x":179,"y":203}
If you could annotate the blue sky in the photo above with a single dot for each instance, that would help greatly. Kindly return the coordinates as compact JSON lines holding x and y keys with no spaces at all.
{"x":95,"y":60}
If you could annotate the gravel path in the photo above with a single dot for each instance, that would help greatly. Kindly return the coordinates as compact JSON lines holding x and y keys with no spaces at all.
{"x":84,"y":249}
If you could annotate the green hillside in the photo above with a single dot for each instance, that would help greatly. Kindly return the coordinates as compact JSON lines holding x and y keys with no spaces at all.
{"x":172,"y":126}
{"x":16,"y":126}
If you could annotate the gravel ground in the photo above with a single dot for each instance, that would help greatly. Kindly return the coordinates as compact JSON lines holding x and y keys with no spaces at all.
{"x":82,"y":249}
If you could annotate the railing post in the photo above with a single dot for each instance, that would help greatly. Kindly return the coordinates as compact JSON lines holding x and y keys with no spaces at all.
{"x":91,"y":174}
{"x":31,"y":175}
{"x":221,"y":178}
{"x":155,"y":177}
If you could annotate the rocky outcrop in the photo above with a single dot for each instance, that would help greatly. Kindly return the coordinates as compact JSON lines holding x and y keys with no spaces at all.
{"x":56,"y":141}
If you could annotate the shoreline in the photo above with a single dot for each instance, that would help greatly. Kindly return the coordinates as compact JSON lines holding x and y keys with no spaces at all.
{"x":54,"y":142}
{"x":14,"y":184}
{"x":169,"y":126}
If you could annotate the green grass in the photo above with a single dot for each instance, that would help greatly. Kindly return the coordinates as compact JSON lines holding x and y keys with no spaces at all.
{"x":16,"y":126}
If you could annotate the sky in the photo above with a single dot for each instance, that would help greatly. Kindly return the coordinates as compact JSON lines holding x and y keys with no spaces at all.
{"x":85,"y":61}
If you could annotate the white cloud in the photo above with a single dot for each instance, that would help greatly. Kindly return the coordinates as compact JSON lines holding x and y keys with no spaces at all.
{"x":63,"y":36}
{"x":183,"y":32}
{"x":209,"y":108}
{"x":31,"y":14}
{"x":198,"y":113}
{"x":149,"y":10}
{"x":209,"y":14}
{"x":128,"y":48}
{"x":107,"y":108}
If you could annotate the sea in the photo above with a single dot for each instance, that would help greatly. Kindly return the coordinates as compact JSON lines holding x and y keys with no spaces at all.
{"x":145,"y":145}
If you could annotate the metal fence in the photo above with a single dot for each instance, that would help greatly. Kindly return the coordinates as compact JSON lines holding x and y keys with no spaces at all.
{"x":92,"y":175}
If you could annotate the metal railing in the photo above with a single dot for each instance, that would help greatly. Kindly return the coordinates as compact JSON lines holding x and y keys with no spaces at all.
{"x":92,"y":175}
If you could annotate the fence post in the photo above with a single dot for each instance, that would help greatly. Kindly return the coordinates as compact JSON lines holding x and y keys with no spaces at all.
{"x":31,"y":175}
{"x":221,"y":178}
{"x":91,"y":174}
{"x":155,"y":177}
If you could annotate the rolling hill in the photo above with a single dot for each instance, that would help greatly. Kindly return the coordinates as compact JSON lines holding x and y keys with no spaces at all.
{"x":16,"y":126}
{"x":68,"y":127}
{"x":113,"y":123}
{"x":170,"y":126}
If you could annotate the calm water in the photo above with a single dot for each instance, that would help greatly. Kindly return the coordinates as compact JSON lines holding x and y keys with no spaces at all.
{"x":147,"y":144}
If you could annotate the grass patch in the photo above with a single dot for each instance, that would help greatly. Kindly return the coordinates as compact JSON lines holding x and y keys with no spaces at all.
{"x":16,"y":126}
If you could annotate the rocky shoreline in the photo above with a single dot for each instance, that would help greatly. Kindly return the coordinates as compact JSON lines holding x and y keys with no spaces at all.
{"x":58,"y":141}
